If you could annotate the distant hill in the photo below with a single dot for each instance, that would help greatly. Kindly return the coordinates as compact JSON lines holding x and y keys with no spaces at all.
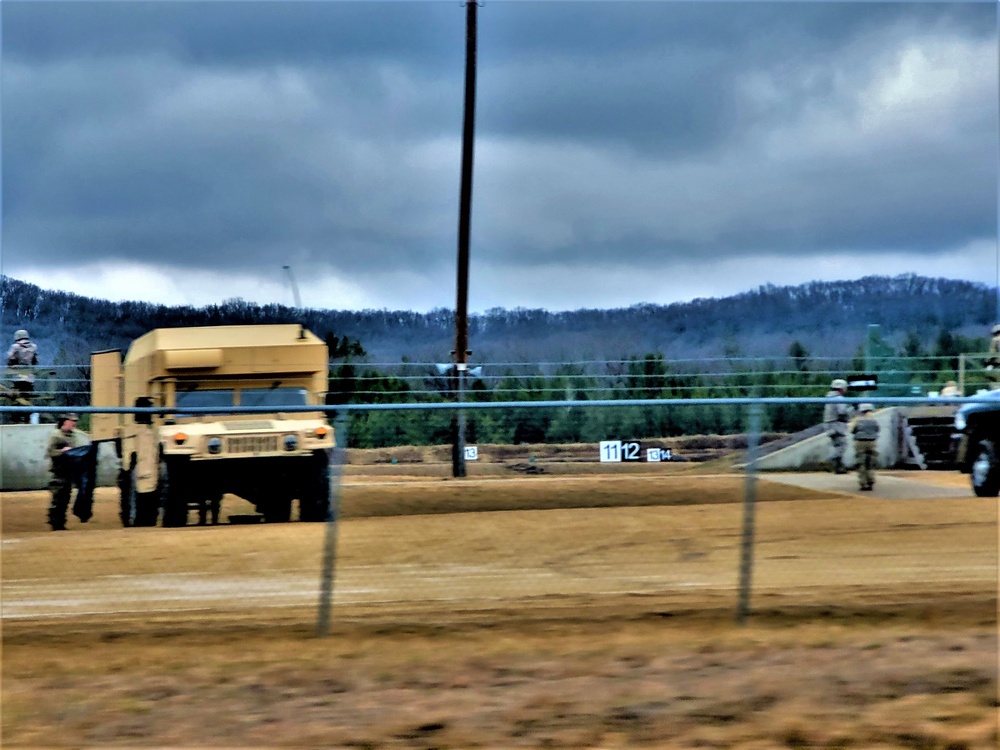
{"x":829,"y":318}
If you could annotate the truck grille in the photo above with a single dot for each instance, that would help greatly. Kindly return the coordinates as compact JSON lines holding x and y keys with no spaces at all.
{"x":252,"y":444}
{"x":260,"y":424}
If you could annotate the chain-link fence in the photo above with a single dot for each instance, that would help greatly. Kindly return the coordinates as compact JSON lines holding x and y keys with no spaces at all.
{"x":619,"y":524}
{"x":647,"y":376}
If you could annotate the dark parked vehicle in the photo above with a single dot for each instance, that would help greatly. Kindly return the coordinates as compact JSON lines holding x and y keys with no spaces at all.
{"x":977,"y":451}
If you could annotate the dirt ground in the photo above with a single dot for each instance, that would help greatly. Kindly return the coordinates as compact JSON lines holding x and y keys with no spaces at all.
{"x":562,"y":608}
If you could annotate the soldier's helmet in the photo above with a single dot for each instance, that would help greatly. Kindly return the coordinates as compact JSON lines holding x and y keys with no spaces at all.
{"x":20,"y":334}
{"x":69,"y":415}
{"x":996,"y":329}
{"x":839,"y":384}
{"x":866,"y":409}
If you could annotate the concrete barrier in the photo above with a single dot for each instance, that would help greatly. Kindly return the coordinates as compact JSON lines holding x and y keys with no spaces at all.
{"x":814,"y":452}
{"x":24,"y":465}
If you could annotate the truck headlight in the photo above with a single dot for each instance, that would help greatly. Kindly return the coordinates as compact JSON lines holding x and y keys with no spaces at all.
{"x":291,"y":442}
{"x":214,"y":446}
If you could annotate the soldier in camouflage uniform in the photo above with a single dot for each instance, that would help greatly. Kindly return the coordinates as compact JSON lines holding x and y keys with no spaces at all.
{"x":836,"y":417}
{"x":865,"y":431}
{"x":21,"y":358}
{"x":64,"y":437}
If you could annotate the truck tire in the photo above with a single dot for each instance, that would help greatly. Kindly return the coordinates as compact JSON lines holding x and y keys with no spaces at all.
{"x":173,"y":492}
{"x":126,"y":499}
{"x":985,"y":471}
{"x":140,"y":508}
{"x":277,"y":509}
{"x":314,"y":498}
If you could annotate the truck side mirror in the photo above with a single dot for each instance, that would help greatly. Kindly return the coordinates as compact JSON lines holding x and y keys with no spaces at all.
{"x":143,"y":402}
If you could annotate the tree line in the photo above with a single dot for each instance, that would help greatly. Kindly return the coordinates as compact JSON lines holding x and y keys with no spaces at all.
{"x":906,"y":371}
{"x":831,"y":316}
{"x":699,"y":349}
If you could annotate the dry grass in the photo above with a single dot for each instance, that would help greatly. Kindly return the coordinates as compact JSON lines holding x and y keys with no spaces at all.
{"x":874,"y":624}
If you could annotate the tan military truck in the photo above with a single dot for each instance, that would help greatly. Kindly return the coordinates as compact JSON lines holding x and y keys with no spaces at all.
{"x":180,"y":461}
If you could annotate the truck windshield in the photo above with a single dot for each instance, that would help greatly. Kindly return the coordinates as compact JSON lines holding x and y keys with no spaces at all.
{"x":203,"y":399}
{"x":273,"y":397}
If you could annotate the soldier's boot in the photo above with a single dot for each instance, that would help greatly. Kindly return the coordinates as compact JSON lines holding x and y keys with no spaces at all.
{"x":57,"y":520}
{"x":870,"y":470}
{"x":59,"y":504}
{"x":838,"y":466}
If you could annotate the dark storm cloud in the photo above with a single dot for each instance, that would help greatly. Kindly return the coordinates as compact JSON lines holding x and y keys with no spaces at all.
{"x":235,"y":33}
{"x":660,"y":76}
{"x":924,"y":181}
{"x":233,"y":153}
{"x":778,"y":28}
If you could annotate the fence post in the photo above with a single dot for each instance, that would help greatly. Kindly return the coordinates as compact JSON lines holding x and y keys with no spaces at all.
{"x":330,"y":542}
{"x":749,"y":510}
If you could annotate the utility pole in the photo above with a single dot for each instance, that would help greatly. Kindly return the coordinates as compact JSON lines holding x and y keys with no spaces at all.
{"x":464,"y":224}
{"x":295,"y":287}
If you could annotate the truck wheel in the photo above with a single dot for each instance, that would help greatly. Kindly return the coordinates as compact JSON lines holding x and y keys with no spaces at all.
{"x":314,"y":500}
{"x":126,"y":498}
{"x":141,"y":508}
{"x":985,"y":472}
{"x":278,"y":509}
{"x":172,"y":492}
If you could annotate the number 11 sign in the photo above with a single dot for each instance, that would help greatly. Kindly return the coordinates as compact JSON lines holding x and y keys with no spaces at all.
{"x":611,"y":451}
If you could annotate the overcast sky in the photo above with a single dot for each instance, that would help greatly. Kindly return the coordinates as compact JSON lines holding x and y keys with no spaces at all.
{"x":625,"y":152}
